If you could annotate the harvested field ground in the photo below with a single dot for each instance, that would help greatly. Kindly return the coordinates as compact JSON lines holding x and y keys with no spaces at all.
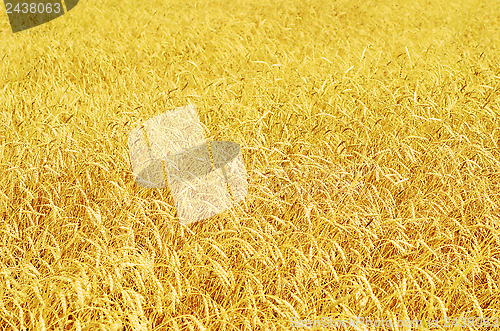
{"x":370,"y":133}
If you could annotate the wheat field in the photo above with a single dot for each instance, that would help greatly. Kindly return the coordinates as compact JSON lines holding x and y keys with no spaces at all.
{"x":369,"y":134}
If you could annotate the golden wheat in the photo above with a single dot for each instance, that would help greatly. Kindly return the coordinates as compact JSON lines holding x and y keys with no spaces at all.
{"x":370,"y":134}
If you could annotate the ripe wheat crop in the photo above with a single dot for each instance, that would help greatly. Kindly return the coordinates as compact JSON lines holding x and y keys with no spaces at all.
{"x":369,"y":131}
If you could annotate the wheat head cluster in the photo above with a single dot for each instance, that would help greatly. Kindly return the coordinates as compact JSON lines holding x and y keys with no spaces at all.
{"x":370,"y":135}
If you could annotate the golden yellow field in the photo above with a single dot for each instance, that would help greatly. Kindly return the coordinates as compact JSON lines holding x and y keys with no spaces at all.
{"x":370,"y":133}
